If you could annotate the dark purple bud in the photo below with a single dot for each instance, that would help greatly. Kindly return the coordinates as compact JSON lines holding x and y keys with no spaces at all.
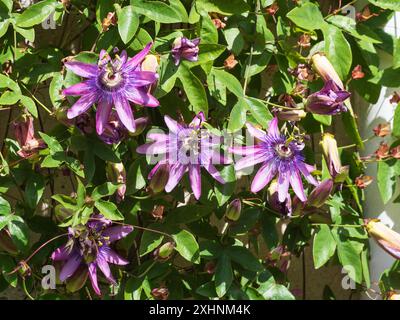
{"x":140,"y":125}
{"x":233,"y":210}
{"x":320,"y":194}
{"x":114,"y":130}
{"x":285,"y":207}
{"x":328,"y":101}
{"x":186,"y":49}
{"x":160,"y":178}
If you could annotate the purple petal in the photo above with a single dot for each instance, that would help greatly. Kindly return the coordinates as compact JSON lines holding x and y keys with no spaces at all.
{"x":195,"y":180}
{"x":172,"y":125}
{"x":82,"y":105}
{"x":214,"y":172}
{"x":85,"y":70}
{"x":105,"y":268}
{"x":141,"y":97}
{"x":175,"y":175}
{"x":134,"y":62}
{"x":255,"y":132}
{"x":70,"y":267}
{"x":297,"y":185}
{"x":157,"y":136}
{"x":283,"y":186}
{"x":60,"y":254}
{"x":93,"y":278}
{"x":117,"y":232}
{"x":125,"y":113}
{"x":102,"y":115}
{"x":159,"y":147}
{"x":78,"y":89}
{"x":112,"y":257}
{"x":305,"y":169}
{"x":245,"y":151}
{"x":263,"y":177}
{"x":250,"y":160}
{"x":197,"y":120}
{"x":395,"y":252}
{"x":142,"y":78}
{"x":273,"y":129}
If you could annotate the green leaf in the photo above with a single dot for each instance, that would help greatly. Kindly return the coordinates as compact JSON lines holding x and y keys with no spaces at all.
{"x":7,"y":265}
{"x":109,"y":210}
{"x":128,"y":22}
{"x":222,"y":6}
{"x":4,"y":220}
{"x":103,"y":7}
{"x":149,"y":241}
{"x":104,"y":190}
{"x":28,"y":34}
{"x":270,"y":290}
{"x":337,"y":50}
{"x":223,"y":275}
{"x":52,"y":143}
{"x":396,"y":122}
{"x":386,"y":179}
{"x":30,"y":105}
{"x":308,"y":16}
{"x":351,"y":128}
{"x":136,"y":177}
{"x":387,"y":4}
{"x":244,"y":257}
{"x":4,"y":27}
{"x":157,"y":11}
{"x":188,"y":214}
{"x":9,"y":98}
{"x":224,"y":191}
{"x":259,"y":111}
{"x":36,"y":13}
{"x":207,"y":53}
{"x":324,"y":246}
{"x":5,"y":208}
{"x":194,"y":90}
{"x":6,"y":82}
{"x":55,"y":89}
{"x":237,"y":117}
{"x":19,"y":232}
{"x":34,"y":190}
{"x":187,"y":246}
{"x":396,"y":54}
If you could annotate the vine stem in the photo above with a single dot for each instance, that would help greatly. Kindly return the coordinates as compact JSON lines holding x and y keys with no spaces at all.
{"x":355,"y":145}
{"x":36,"y":99}
{"x":338,"y":225}
{"x":26,"y":290}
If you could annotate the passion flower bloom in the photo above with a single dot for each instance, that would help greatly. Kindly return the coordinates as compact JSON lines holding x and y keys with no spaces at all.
{"x":112,"y":83}
{"x":25,"y":135}
{"x":186,"y":49}
{"x":279,"y":157}
{"x":186,"y":148}
{"x":328,"y":101}
{"x":386,"y":238}
{"x":89,"y":246}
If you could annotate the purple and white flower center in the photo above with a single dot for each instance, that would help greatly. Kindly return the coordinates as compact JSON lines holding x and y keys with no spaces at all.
{"x":111,"y":80}
{"x":88,"y":242}
{"x":283,"y":151}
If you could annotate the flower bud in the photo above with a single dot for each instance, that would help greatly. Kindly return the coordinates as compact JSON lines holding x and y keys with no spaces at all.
{"x":165,"y":251}
{"x":77,"y":280}
{"x":140,"y":125}
{"x":320,"y":194}
{"x":386,"y":238}
{"x":186,"y":49}
{"x":159,"y":179}
{"x":6,"y":242}
{"x":291,"y":115}
{"x":158,"y":212}
{"x":382,"y":130}
{"x":331,"y":154}
{"x":363,"y":181}
{"x":210,"y":267}
{"x":116,"y":174}
{"x":233,"y":210}
{"x":285,"y":208}
{"x":160,"y":293}
{"x":395,"y":152}
{"x":150,"y":63}
{"x":325,"y":69}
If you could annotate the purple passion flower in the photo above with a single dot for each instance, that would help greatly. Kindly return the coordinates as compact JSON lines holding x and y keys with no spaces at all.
{"x":186,"y":148}
{"x":112,"y":83}
{"x":279,"y":157}
{"x":328,"y":101}
{"x":89,"y":246}
{"x":186,"y":49}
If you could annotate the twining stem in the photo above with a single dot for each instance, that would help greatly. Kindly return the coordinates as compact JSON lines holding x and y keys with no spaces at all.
{"x":355,"y":145}
{"x":147,"y":270}
{"x":36,"y":99}
{"x":338,"y":225}
{"x":26,"y":290}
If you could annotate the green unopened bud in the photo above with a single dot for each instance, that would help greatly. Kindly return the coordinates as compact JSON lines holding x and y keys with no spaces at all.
{"x":325,"y":69}
{"x":78,"y":279}
{"x":233,"y":210}
{"x":160,"y":178}
{"x":116,"y":174}
{"x":6,"y":242}
{"x":165,"y":251}
{"x":331,"y":154}
{"x":320,"y":194}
